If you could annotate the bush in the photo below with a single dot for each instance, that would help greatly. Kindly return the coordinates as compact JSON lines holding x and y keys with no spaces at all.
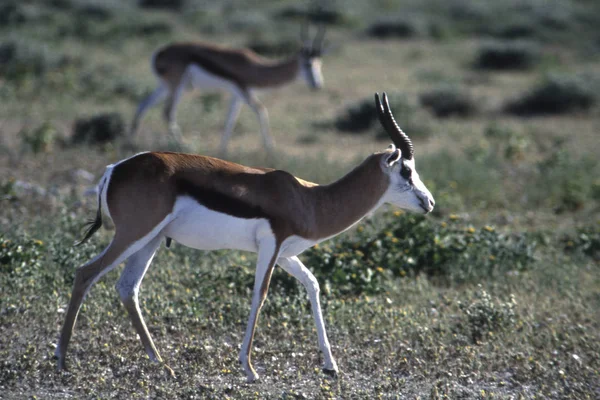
{"x":163,"y":4}
{"x":484,"y":316}
{"x":40,"y":139}
{"x":395,"y":27}
{"x":557,"y":94}
{"x":104,"y":82}
{"x":327,"y":16}
{"x":507,"y":55}
{"x":95,"y":12}
{"x":102,"y":128}
{"x":565,"y":183}
{"x":514,"y":145}
{"x":12,"y":13}
{"x":22,"y":59}
{"x":362,"y":116}
{"x":447,"y":101}
{"x":585,"y":241}
{"x":408,"y":244}
{"x":514,"y":30}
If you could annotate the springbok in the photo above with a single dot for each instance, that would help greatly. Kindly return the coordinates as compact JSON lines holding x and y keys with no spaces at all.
{"x":241,"y":72}
{"x":207,"y":203}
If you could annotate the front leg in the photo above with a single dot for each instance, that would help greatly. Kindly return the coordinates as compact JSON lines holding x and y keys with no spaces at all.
{"x":294,"y":267}
{"x":267,"y":255}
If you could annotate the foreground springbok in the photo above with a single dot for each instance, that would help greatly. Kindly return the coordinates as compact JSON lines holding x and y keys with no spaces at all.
{"x":210,"y":204}
{"x":241,"y":72}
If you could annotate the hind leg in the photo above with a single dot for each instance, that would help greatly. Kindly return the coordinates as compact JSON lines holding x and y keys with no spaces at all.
{"x":170,"y":112}
{"x":128,"y":287}
{"x":159,"y":94}
{"x":116,"y":252}
{"x":232,"y":115}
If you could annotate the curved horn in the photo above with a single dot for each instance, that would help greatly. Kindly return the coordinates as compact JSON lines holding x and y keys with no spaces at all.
{"x":304,"y":34}
{"x":400,"y":139}
{"x":317,"y":43}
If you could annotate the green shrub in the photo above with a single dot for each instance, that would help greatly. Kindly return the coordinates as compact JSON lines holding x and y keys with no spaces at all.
{"x":316,"y":15}
{"x":565,"y":183}
{"x":513,"y":145}
{"x":485,"y":317}
{"x":20,"y":256}
{"x":362,"y":116}
{"x":396,"y":27}
{"x":557,"y":94}
{"x":508,"y":55}
{"x":98,"y":129}
{"x":40,"y":139}
{"x":470,"y":181}
{"x":21,"y":59}
{"x":448,"y":101}
{"x":514,"y":30}
{"x":104,"y":82}
{"x":12,"y":13}
{"x":92,"y":11}
{"x":408,"y":244}
{"x":7,"y":190}
{"x":586,"y":240}
{"x":175,"y":5}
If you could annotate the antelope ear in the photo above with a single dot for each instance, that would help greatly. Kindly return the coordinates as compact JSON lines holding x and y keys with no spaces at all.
{"x":393,"y":157}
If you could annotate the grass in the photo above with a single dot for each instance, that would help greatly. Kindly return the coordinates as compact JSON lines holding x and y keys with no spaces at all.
{"x":495,"y":295}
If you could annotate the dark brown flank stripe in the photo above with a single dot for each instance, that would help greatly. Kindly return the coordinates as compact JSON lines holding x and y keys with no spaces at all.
{"x":214,"y":69}
{"x":219,"y":202}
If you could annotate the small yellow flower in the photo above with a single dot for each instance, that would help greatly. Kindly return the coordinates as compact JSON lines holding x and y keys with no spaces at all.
{"x":489,"y":228}
{"x":360,"y":229}
{"x":379,"y":269}
{"x":454,"y":217}
{"x":38,"y":242}
{"x":395,"y":240}
{"x":444,"y":224}
{"x":492,"y":258}
{"x":398,"y":213}
{"x":402,"y":273}
{"x":389,"y":234}
{"x":471,"y":229}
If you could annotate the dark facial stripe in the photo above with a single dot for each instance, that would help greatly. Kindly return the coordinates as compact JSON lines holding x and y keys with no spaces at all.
{"x":220,"y":202}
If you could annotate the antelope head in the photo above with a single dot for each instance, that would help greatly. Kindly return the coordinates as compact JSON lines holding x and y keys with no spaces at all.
{"x":310,"y":57}
{"x":406,"y":190}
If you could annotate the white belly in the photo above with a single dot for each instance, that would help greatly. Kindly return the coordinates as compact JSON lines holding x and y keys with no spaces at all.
{"x":201,"y":228}
{"x":199,"y":78}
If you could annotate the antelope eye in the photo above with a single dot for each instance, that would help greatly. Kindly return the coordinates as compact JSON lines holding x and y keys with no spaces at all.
{"x":405,"y":172}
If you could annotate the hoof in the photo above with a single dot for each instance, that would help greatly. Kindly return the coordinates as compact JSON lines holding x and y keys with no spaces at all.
{"x":332,"y":373}
{"x":169,"y":371}
{"x":60,"y":365}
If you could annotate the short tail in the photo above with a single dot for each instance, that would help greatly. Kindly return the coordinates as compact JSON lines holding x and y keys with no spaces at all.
{"x":93,"y":224}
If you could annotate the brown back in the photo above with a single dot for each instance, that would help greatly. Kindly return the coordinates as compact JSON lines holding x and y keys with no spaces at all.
{"x":242,"y":66}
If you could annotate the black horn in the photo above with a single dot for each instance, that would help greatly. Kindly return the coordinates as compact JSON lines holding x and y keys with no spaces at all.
{"x":400,"y":139}
{"x":304,"y":39}
{"x":318,"y":41}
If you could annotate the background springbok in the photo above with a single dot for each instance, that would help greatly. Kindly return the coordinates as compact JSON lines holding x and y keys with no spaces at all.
{"x":207,"y":203}
{"x":241,"y":72}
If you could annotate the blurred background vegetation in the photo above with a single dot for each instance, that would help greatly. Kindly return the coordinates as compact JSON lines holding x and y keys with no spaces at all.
{"x":495,"y":294}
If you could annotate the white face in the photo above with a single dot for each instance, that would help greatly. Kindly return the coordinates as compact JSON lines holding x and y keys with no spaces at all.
{"x":310,"y":69}
{"x":406,"y":190}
